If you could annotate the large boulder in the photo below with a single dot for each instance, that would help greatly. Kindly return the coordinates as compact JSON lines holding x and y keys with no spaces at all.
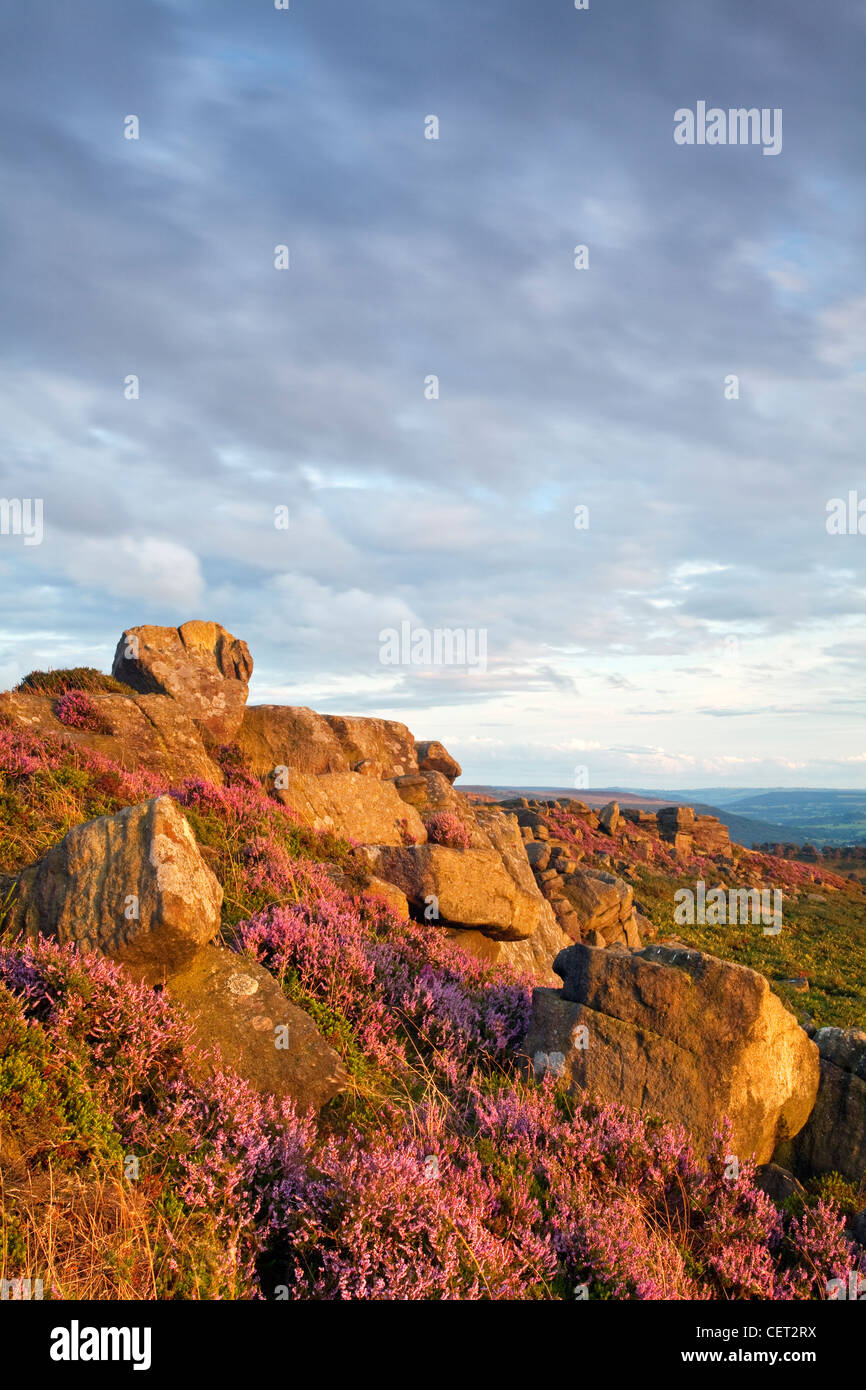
{"x":833,"y":1138}
{"x":292,"y":736}
{"x":472,"y":887}
{"x":202,"y":666}
{"x":238,"y":1008}
{"x":152,"y":732}
{"x":133,"y":886}
{"x":360,"y":808}
{"x":434,"y":757}
{"x":375,"y":747}
{"x":682,"y":1035}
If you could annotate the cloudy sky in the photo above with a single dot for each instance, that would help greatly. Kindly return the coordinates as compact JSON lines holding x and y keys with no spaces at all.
{"x":703,"y":627}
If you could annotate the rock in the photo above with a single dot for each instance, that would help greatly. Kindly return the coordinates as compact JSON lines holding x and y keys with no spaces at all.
{"x":473,"y":887}
{"x":386,"y":746}
{"x":431,"y":792}
{"x":538,"y":855}
{"x":834,"y":1137}
{"x":392,"y":895}
{"x":677,"y":1033}
{"x":432,"y":757}
{"x":778,"y":1183}
{"x":152,"y":732}
{"x":237,"y":1007}
{"x":858,"y":1227}
{"x":672,"y":819}
{"x":533,"y":957}
{"x":202,"y":666}
{"x":609,"y":818}
{"x":292,"y":736}
{"x":133,"y":886}
{"x":603,"y":903}
{"x":360,"y":808}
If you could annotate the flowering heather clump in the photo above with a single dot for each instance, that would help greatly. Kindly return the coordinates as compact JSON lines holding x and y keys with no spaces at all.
{"x":231,"y":760}
{"x":110,"y":1065}
{"x":404,"y":990}
{"x":444,"y":828}
{"x":77,"y":710}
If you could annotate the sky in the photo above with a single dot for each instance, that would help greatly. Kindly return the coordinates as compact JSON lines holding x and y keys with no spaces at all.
{"x":392,"y":433}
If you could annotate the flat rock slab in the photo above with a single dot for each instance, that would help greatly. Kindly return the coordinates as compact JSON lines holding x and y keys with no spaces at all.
{"x":133,"y":886}
{"x":239,"y":1009}
{"x":360,"y":808}
{"x":152,"y":732}
{"x":682,"y":1035}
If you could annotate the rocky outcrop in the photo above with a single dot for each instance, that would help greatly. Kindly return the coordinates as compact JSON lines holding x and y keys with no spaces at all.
{"x":133,"y":886}
{"x":609,"y":818}
{"x":682,"y":1035}
{"x":834,"y":1137}
{"x":604,"y":905}
{"x":136,"y":731}
{"x":202,"y":666}
{"x":433,"y":757}
{"x":239,"y":1010}
{"x":360,"y":808}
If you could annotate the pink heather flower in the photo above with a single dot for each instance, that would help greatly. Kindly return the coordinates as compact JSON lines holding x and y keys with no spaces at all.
{"x":444,"y":828}
{"x":77,"y":710}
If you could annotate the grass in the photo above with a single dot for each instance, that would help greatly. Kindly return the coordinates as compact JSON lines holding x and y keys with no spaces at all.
{"x":58,"y":682}
{"x":825,"y":941}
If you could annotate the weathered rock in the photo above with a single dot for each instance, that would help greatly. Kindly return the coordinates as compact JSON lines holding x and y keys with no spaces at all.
{"x":682,"y":1035}
{"x":385,"y":747}
{"x":393,"y":896}
{"x":603,"y":903}
{"x":472,"y":887}
{"x":238,"y":1008}
{"x":431,"y":792}
{"x":609,"y":818}
{"x":152,"y":732}
{"x":777,"y":1182}
{"x":532,"y":957}
{"x":133,"y":886}
{"x":359,"y":808}
{"x":538,"y":854}
{"x":292,"y":736}
{"x":433,"y":757}
{"x":834,"y":1136}
{"x":202,"y":666}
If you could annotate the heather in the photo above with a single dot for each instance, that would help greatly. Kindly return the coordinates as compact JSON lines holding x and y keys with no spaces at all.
{"x":134,"y":1166}
{"x":493,"y":1187}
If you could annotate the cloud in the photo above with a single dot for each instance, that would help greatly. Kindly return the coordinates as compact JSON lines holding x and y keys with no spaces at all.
{"x":150,"y":570}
